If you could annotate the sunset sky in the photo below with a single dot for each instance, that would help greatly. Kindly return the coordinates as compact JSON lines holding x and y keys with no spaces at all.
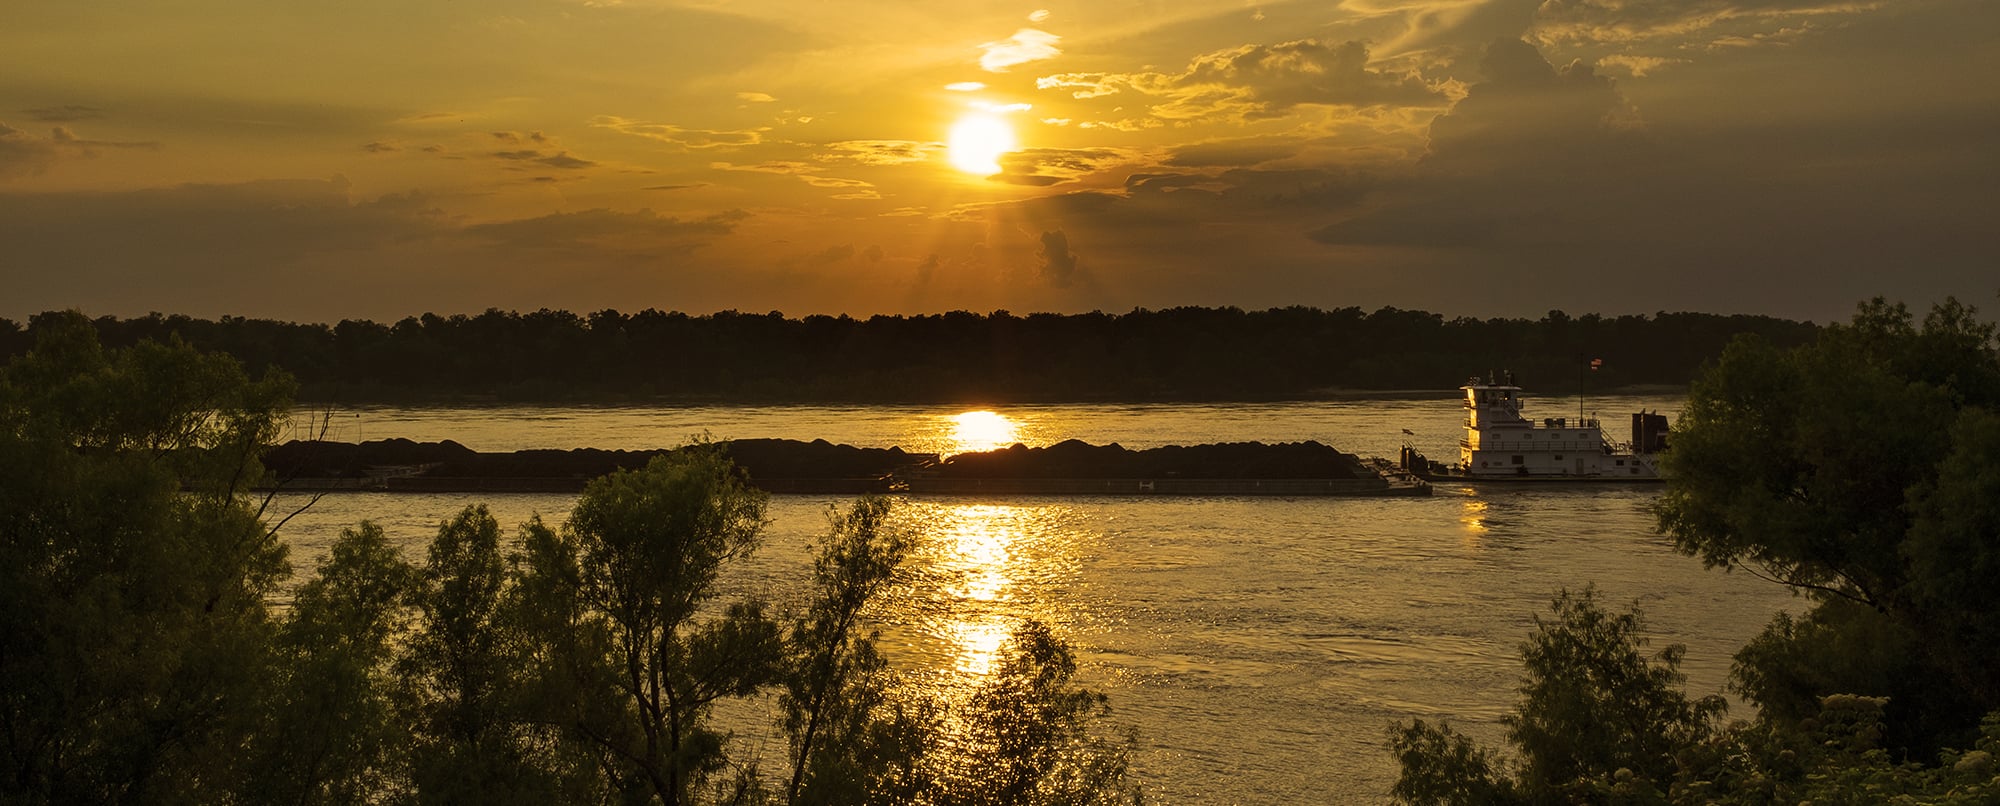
{"x":317,"y":161}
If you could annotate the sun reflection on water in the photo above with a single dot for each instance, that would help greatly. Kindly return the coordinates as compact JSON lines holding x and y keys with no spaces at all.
{"x":981,"y":431}
{"x":979,"y":551}
{"x":978,"y":646}
{"x":1474,"y":515}
{"x":979,"y":572}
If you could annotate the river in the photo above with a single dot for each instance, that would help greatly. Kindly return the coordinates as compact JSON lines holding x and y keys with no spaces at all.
{"x":1261,"y":647}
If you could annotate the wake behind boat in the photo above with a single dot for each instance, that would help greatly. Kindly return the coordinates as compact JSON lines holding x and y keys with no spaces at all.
{"x":1502,"y":445}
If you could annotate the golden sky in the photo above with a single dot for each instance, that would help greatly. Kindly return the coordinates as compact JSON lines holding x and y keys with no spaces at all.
{"x":319,"y":160}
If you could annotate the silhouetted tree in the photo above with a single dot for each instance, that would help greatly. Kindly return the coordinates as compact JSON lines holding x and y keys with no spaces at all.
{"x":633,"y":664}
{"x":1178,"y":353}
{"x":1858,"y":470}
{"x":1598,"y":720}
{"x":134,"y":635}
{"x":852,"y":739}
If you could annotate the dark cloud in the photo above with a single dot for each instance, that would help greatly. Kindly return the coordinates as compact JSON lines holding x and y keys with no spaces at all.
{"x":66,"y":113}
{"x":1316,"y":188}
{"x":1156,"y":183}
{"x":1041,"y":167}
{"x":24,"y":154}
{"x":879,"y":152}
{"x":1527,"y":111}
{"x":564,"y":160}
{"x":1451,"y":27}
{"x":518,"y":137}
{"x":1259,"y":81}
{"x":306,"y":249}
{"x":1688,"y":23}
{"x":1279,"y":77}
{"x":608,"y":232}
{"x":1757,"y":196}
{"x":540,"y":149}
{"x":1516,"y":162}
{"x":682,"y":138}
{"x":1235,"y":153}
{"x":1058,"y":266}
{"x":788,"y":167}
{"x":1030,"y":180}
{"x":193,"y":246}
{"x":380,"y":147}
{"x":831,"y":254}
{"x":833,"y":182}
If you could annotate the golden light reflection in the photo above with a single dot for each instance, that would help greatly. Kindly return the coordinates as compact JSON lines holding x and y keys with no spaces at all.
{"x":982,"y":431}
{"x":977,"y":561}
{"x":979,"y":546}
{"x":981,"y":569}
{"x":978,"y":646}
{"x":977,"y":141}
{"x":1474,"y":515}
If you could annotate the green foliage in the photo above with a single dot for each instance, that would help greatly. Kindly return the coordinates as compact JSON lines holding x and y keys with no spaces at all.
{"x":1176,"y":353}
{"x":1836,"y":757}
{"x":140,"y":659}
{"x":1862,"y":470}
{"x":331,"y":730}
{"x":1859,"y":468}
{"x":133,"y":629}
{"x":852,"y":740}
{"x":1032,"y":735}
{"x":471,"y":739}
{"x":1593,"y":704}
{"x":1441,"y":766}
{"x":633,"y":664}
{"x":1953,"y":560}
{"x":1598,"y":720}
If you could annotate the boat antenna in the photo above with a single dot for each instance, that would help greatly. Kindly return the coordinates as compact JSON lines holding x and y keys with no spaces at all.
{"x":1580,"y":374}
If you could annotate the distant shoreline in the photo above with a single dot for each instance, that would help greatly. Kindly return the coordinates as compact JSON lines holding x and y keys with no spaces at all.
{"x":1178,"y":355}
{"x":731,"y":401}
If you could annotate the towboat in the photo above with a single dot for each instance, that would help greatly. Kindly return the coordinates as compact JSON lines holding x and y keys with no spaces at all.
{"x":1502,"y":445}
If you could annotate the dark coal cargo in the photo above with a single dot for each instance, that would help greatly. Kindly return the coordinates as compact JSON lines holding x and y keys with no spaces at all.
{"x":782,"y":465}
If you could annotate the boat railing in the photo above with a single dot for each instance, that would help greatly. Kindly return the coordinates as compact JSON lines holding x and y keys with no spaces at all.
{"x":1566,"y":424}
{"x":1528,"y":446}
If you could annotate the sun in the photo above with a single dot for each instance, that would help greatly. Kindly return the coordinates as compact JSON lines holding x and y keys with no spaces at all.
{"x":977,"y":141}
{"x":982,"y":431}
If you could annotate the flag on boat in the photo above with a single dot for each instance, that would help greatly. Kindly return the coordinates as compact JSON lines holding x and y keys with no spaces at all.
{"x":1595,"y":363}
{"x":1408,"y":431}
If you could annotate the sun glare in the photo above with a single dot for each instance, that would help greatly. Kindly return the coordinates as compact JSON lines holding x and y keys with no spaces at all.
{"x":977,"y":141}
{"x":981,"y":431}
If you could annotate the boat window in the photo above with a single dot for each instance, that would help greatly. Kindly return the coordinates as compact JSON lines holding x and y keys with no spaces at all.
{"x":1559,"y":457}
{"x":1517,"y":460}
{"x":1621,"y":463}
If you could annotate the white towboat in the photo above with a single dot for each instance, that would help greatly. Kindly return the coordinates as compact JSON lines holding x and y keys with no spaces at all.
{"x":1502,"y":445}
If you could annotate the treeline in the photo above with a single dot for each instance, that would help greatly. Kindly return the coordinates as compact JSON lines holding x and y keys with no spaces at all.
{"x":154,"y":650}
{"x":1173,"y":354}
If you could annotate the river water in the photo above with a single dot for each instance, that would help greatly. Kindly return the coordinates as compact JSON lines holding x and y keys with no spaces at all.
{"x":1261,"y":647}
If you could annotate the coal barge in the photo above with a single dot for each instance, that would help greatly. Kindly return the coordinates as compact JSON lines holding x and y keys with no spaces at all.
{"x":819,"y":467}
